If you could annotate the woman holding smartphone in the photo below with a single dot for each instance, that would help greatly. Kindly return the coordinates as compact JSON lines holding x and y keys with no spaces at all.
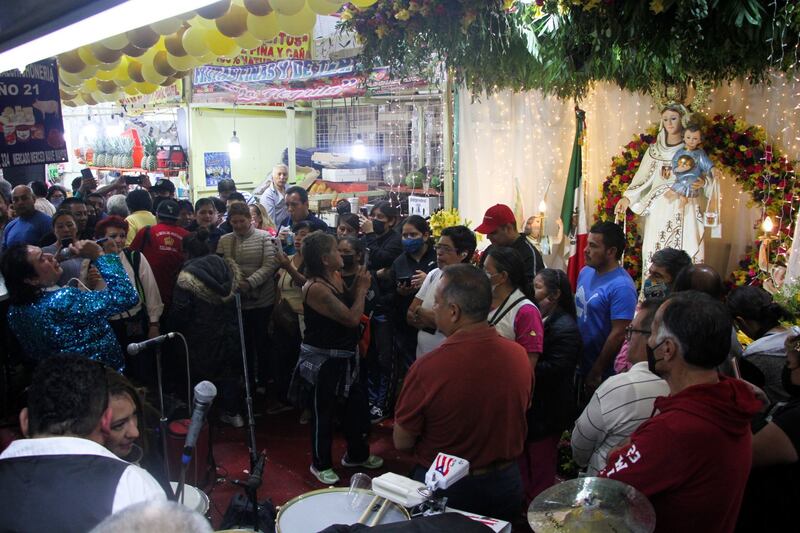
{"x":66,"y":231}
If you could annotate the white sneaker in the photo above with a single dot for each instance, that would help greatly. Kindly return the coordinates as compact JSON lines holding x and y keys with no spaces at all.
{"x":234,"y":420}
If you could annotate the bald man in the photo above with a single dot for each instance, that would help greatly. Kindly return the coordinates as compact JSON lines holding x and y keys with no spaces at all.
{"x":30,"y":225}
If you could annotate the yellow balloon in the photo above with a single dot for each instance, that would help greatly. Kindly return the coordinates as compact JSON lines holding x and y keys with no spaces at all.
{"x":86,"y":55}
{"x":173,"y":43}
{"x":73,"y":80}
{"x":248,"y":41}
{"x":107,"y":87}
{"x":123,"y":81}
{"x":105,"y":75}
{"x":69,"y":103}
{"x":181,"y":62}
{"x":90,"y":85}
{"x":299,"y":24}
{"x":263,"y":28}
{"x":167,"y":26}
{"x":200,"y":22}
{"x":133,"y":51}
{"x":287,"y":7}
{"x":87,"y":97}
{"x":257,"y":7}
{"x":99,"y":97}
{"x":121,"y":70}
{"x":132,"y":89}
{"x":221,"y":45}
{"x":105,"y":55}
{"x":146,"y":88}
{"x":87,"y":72}
{"x":151,"y":52}
{"x":233,"y":23}
{"x":135,"y":71}
{"x":109,"y":66}
{"x":143,"y":37}
{"x":323,"y":7}
{"x":150,"y":75}
{"x":194,"y":41}
{"x":207,"y":59}
{"x":116,"y":42}
{"x":161,"y":64}
{"x":363,"y":3}
{"x":71,"y":62}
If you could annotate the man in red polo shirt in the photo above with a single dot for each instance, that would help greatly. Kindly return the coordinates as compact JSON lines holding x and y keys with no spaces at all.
{"x":468,"y":398}
{"x":162,"y":245}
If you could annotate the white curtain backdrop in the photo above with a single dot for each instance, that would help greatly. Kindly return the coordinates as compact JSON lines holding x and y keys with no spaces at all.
{"x":526,"y":137}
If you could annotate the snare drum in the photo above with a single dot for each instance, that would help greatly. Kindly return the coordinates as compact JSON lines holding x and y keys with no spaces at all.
{"x":316,"y":510}
{"x":193,"y":498}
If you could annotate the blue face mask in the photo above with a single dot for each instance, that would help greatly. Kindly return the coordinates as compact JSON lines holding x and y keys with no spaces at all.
{"x":413,"y":245}
{"x":56,"y":202}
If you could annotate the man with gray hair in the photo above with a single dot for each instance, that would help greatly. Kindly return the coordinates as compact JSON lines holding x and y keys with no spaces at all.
{"x":468,"y":398}
{"x":692,"y":459}
{"x":151,"y":516}
{"x":116,"y":206}
{"x":274,"y":198}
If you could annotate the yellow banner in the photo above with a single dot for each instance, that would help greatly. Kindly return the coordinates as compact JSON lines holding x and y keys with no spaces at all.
{"x":281,"y":47}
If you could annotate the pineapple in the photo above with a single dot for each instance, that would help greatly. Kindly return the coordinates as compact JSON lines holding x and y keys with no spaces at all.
{"x":100,"y":147}
{"x":116,"y":149}
{"x":126,"y":158}
{"x":149,"y":161}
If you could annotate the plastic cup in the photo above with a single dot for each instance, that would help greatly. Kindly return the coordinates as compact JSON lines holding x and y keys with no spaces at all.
{"x":359,"y":483}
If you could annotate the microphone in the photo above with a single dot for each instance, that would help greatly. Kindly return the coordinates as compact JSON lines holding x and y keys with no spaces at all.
{"x":204,"y":394}
{"x":136,"y":347}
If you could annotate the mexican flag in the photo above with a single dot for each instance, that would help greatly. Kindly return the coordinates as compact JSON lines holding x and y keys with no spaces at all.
{"x":573,"y":209}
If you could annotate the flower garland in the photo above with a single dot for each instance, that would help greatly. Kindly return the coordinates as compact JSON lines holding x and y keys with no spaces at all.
{"x":739,"y":150}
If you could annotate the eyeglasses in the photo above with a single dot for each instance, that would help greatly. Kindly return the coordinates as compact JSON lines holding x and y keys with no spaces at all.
{"x":444,"y":248}
{"x":629,"y":331}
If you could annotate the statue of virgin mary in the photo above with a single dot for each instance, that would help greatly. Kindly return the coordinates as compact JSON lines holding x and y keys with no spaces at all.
{"x":666,"y":223}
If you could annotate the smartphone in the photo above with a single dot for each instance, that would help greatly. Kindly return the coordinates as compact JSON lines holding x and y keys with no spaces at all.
{"x":366,"y":257}
{"x":66,"y":242}
{"x":363,"y":211}
{"x":404,"y":282}
{"x":101,"y":240}
{"x":133,"y":180}
{"x":86,"y":173}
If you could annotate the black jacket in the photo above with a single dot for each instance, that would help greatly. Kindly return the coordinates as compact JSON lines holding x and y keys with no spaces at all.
{"x":204,"y":310}
{"x":553,"y":409}
{"x":384,"y":249}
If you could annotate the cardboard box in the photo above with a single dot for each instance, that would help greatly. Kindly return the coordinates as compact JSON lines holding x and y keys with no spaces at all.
{"x":344,"y":174}
{"x":423,"y":206}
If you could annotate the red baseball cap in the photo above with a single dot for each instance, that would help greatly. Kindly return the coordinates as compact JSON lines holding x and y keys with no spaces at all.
{"x":496,"y":216}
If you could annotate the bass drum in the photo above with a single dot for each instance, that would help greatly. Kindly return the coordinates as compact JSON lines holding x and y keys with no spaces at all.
{"x":316,"y":510}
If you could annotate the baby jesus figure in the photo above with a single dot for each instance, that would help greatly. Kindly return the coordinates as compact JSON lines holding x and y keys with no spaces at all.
{"x":691,"y":166}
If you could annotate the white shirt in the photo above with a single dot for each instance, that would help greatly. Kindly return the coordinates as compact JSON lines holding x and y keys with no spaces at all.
{"x":619,"y":406}
{"x":135,"y":485}
{"x":427,"y":342}
{"x":44,"y":205}
{"x":274,"y":202}
{"x":154,"y":304}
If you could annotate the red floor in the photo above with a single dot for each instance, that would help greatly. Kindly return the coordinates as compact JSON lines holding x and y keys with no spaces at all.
{"x":288,"y":446}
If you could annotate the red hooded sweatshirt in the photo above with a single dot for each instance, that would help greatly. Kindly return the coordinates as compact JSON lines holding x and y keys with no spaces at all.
{"x":692,"y":459}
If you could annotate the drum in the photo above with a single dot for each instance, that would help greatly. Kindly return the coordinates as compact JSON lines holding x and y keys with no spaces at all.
{"x":316,"y":510}
{"x":193,"y":498}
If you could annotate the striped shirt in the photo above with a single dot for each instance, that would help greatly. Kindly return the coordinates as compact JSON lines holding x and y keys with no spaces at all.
{"x":619,"y":405}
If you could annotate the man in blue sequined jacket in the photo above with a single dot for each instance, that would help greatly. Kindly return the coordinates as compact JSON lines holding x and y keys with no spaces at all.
{"x":48,"y":319}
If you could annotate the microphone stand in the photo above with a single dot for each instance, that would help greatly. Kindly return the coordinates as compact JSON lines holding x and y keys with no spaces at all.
{"x":162,"y":421}
{"x":253,"y":482}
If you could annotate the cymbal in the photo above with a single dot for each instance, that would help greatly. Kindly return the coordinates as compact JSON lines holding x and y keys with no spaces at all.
{"x":591,"y":505}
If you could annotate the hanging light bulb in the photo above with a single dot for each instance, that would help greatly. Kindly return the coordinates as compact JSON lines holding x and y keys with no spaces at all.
{"x":542,"y":206}
{"x":358,"y":151}
{"x":234,"y":148}
{"x":767,"y":225}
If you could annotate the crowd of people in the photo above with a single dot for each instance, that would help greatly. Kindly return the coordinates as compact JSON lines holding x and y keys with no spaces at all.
{"x":487,"y":356}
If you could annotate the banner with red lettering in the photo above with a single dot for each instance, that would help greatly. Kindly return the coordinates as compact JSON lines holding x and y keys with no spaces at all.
{"x":281,"y":47}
